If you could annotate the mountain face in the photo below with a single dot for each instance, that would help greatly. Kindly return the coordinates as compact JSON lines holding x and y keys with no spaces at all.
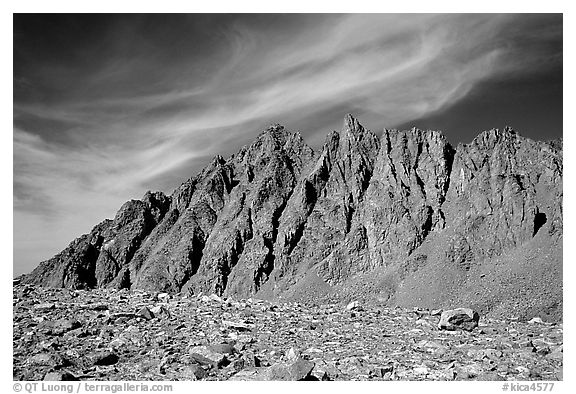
{"x":405,"y":219}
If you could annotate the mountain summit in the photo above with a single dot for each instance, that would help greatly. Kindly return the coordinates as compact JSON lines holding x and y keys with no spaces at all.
{"x":405,"y":219}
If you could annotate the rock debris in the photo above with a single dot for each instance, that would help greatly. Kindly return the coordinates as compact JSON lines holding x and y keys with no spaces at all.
{"x":102,"y":335}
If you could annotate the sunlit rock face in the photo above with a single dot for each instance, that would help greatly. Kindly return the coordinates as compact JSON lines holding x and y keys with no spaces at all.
{"x":404,"y":218}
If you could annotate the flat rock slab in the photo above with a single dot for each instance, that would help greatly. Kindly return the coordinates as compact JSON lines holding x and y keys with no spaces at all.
{"x":60,"y":376}
{"x":60,"y":326}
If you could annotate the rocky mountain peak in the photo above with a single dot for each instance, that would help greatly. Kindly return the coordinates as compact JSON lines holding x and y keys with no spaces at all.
{"x":404,"y":218}
{"x":351,"y":125}
{"x":490,"y":138}
{"x":274,"y":136}
{"x":353,"y":134}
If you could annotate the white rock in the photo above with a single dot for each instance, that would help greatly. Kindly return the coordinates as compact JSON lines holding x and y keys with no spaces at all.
{"x":436,"y":312}
{"x":44,"y":306}
{"x":420,"y":370}
{"x":214,"y":297}
{"x":160,"y":310}
{"x":237,"y":325}
{"x":292,"y":354}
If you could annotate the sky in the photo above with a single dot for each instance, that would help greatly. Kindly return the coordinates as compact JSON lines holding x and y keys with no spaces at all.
{"x":107,"y":107}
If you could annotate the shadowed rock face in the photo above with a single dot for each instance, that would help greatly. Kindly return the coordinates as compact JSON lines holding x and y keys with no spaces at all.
{"x":277,"y":219}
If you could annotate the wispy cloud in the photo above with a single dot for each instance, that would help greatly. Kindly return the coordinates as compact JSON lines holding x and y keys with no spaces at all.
{"x":124,"y":131}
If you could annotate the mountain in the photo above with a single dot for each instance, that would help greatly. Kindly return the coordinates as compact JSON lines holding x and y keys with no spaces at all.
{"x":405,"y":219}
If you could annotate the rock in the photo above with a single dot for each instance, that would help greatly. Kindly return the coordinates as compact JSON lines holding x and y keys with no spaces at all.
{"x":543,"y":351}
{"x":293,"y":354}
{"x":145,"y":313}
{"x":382,"y":371}
{"x":54,"y":360}
{"x":489,"y":331}
{"x":204,"y":355}
{"x":60,"y":376}
{"x":560,"y":374}
{"x":253,"y":374}
{"x":194,"y":372}
{"x":420,"y":370}
{"x":436,"y":312}
{"x":354,"y":305}
{"x":557,"y":353}
{"x":460,"y":318}
{"x":223,"y":348}
{"x":298,"y":370}
{"x":237,"y":365}
{"x":44,"y":306}
{"x":95,"y":307}
{"x":489,"y":376}
{"x":325,"y":371}
{"x":492,"y":354}
{"x":214,"y":297}
{"x":251,"y":360}
{"x":60,"y":326}
{"x":535,"y":320}
{"x":432,"y":347}
{"x":239,"y":326}
{"x":119,"y":318}
{"x":103,"y":358}
{"x":160,"y":311}
{"x":389,"y":343}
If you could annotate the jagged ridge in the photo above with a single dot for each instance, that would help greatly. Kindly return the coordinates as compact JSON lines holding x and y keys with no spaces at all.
{"x":276,"y":214}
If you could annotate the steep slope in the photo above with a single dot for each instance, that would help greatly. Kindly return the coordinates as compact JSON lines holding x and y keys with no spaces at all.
{"x":402,"y":204}
{"x":503,"y":239}
{"x":239,"y":255}
{"x":95,"y":259}
{"x":320,"y":213}
{"x":405,"y":219}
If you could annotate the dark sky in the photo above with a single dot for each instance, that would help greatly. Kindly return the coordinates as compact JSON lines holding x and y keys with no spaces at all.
{"x":109,"y":106}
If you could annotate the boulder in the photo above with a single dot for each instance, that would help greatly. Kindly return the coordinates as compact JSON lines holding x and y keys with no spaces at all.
{"x":460,"y":318}
{"x":145,"y":313}
{"x":298,"y":370}
{"x":103,"y":358}
{"x":222,"y":348}
{"x":58,"y":376}
{"x":160,"y":311}
{"x":60,"y":326}
{"x":205,"y":355}
{"x":53,"y":360}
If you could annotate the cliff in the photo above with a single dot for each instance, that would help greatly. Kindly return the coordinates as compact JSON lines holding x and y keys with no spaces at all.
{"x":405,"y":219}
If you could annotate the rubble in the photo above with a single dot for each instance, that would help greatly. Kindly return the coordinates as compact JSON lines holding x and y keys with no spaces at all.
{"x":202,"y":339}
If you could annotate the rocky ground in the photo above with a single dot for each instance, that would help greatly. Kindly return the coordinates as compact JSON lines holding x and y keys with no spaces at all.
{"x":62,"y":334}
